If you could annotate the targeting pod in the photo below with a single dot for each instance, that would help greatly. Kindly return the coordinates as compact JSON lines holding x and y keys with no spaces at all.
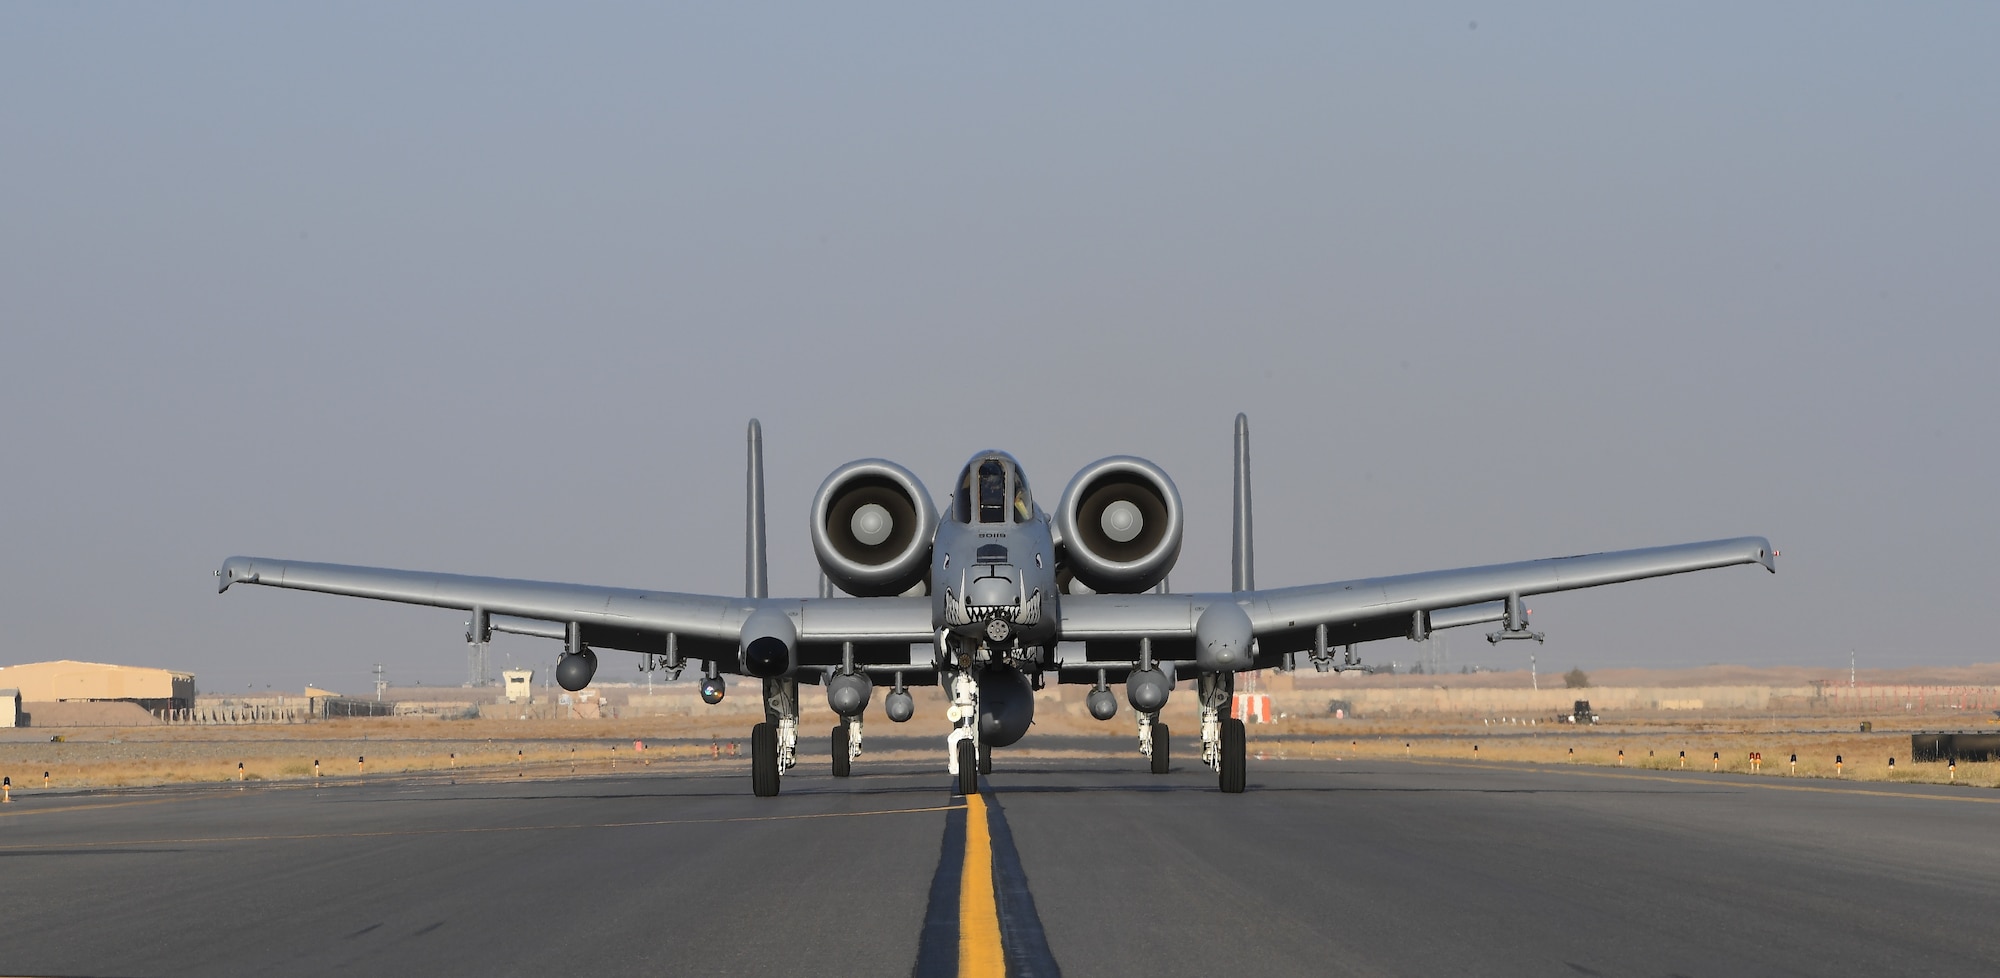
{"x":574,"y":669}
{"x":577,"y":663}
{"x":712,"y":690}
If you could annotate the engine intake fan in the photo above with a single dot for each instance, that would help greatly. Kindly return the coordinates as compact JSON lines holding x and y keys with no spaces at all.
{"x":872,"y":525}
{"x":1120,"y":521}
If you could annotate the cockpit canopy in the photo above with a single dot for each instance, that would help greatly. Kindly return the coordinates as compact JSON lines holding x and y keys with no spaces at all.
{"x":993,"y":490}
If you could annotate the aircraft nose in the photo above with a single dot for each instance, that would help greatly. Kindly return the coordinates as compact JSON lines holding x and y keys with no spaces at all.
{"x":995,"y":590}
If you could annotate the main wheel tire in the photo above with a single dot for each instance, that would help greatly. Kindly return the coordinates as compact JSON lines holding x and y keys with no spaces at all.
{"x":1162,"y":748}
{"x":968,"y":768}
{"x":843,"y":765}
{"x":985,"y":759}
{"x":764,"y":760}
{"x":1232,"y":773}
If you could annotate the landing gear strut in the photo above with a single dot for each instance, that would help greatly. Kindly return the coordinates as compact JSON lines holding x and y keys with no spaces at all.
{"x":964,"y":750}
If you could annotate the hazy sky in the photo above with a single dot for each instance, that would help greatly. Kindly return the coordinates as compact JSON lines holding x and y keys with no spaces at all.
{"x":494,"y":289}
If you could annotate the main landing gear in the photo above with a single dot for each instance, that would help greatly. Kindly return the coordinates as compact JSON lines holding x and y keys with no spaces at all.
{"x":843,"y":761}
{"x":764,"y":760}
{"x":1222,"y":736}
{"x":1229,"y":769}
{"x":846,"y":745}
{"x":774,"y":743}
{"x":1153,"y":741}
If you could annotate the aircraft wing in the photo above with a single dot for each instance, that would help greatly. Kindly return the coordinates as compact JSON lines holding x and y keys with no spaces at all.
{"x":704,"y":626}
{"x":1289,"y":619}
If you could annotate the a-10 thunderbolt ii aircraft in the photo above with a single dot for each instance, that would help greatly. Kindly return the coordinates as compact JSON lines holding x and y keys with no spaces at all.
{"x":976,"y":599}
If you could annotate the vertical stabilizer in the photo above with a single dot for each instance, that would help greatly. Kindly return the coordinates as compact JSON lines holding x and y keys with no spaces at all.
{"x":1242,"y":577}
{"x":755,"y":582}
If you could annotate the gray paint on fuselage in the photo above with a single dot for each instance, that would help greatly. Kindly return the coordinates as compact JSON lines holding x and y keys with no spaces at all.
{"x":1030,"y":549}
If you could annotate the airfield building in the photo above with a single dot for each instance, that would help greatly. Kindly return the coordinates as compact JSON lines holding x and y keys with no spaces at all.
{"x":69,"y":681}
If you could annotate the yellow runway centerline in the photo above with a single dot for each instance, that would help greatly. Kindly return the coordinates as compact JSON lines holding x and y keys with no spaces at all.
{"x":979,"y":954}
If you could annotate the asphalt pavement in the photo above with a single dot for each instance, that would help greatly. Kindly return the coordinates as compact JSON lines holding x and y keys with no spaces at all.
{"x":1097,"y":868}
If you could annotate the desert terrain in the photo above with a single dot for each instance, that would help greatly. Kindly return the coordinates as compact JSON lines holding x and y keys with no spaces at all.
{"x":1482,"y":717}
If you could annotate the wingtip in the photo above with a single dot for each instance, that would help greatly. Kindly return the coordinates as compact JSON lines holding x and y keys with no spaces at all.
{"x":234,"y":569}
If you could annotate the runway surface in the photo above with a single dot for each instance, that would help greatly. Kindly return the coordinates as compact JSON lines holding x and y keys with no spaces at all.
{"x":1079,"y":867}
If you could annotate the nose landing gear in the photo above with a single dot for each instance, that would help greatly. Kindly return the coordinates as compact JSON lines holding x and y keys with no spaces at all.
{"x":966,"y":756}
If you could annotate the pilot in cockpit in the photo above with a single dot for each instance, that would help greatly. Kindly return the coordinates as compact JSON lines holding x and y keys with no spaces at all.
{"x":987,"y":481}
{"x":992,"y":491}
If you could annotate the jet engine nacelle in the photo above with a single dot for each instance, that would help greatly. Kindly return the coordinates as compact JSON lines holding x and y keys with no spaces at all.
{"x":1006,"y":706}
{"x":1120,"y":524}
{"x":872,"y":526}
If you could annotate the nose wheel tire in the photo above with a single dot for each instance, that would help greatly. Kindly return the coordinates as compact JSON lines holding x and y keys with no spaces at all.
{"x":843,"y":765}
{"x":968,"y":768}
{"x":1231,"y":773}
{"x":764,"y":760}
{"x":985,"y":759}
{"x":1162,"y":745}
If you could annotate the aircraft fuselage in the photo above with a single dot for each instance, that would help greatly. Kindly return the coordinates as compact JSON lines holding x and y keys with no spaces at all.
{"x":993,"y":564}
